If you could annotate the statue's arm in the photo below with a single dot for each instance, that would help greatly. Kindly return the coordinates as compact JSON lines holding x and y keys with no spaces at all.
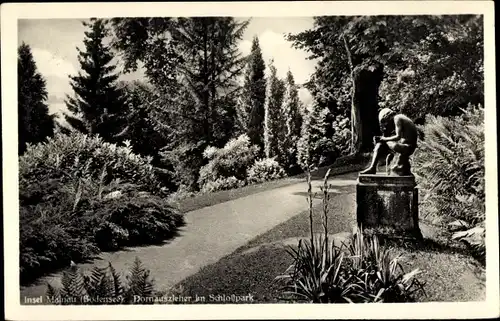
{"x":399,"y":129}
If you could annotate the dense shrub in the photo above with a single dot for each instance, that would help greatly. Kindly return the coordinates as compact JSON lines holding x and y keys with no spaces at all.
{"x":222,"y":184}
{"x":79,"y":155}
{"x":449,"y":164}
{"x":265,"y":170}
{"x":137,"y":219}
{"x":185,"y":161}
{"x":46,"y":244}
{"x":232,"y":160}
{"x":64,"y":220}
{"x":342,"y":135}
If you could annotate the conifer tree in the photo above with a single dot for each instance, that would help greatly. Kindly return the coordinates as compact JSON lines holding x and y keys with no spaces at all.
{"x":251,"y":107}
{"x":98,"y":106}
{"x":311,"y":145}
{"x":293,"y":119}
{"x":34,"y":121}
{"x":205,"y":113}
{"x":195,"y":65}
{"x":274,"y":123}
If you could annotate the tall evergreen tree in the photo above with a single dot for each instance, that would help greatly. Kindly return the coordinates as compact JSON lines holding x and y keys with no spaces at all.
{"x":98,"y":106}
{"x":34,"y":121}
{"x":310,"y":145}
{"x":293,"y":121}
{"x":203,"y":63}
{"x":209,"y":73}
{"x":254,"y":96}
{"x":274,"y":124}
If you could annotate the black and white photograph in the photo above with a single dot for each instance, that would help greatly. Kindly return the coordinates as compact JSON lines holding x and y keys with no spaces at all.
{"x":180,"y":156}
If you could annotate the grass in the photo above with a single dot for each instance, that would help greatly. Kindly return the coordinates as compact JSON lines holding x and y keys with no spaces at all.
{"x":449,"y":272}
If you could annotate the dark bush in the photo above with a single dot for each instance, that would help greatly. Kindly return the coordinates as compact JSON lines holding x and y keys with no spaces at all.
{"x":134,"y":219}
{"x":76,"y":219}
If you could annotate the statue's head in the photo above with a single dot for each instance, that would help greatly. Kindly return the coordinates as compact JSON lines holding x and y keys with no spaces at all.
{"x":385,"y":117}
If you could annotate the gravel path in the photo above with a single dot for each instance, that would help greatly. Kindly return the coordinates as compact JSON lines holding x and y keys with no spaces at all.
{"x":210,"y":234}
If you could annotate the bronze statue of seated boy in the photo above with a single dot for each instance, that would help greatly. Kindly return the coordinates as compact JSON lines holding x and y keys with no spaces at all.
{"x":403,"y":143}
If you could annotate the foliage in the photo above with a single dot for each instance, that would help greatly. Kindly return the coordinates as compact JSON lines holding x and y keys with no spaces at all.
{"x":64,"y":220}
{"x":263,"y":170}
{"x":194,"y":64}
{"x":450,"y":166}
{"x":378,"y":275}
{"x":432,"y":64}
{"x":314,"y":147}
{"x":325,"y":273}
{"x":103,"y":286}
{"x":444,"y":69}
{"x":316,"y":275}
{"x":34,"y":121}
{"x":290,"y":109}
{"x":342,"y":135}
{"x":147,"y":120}
{"x":221,"y":184}
{"x":232,"y":160}
{"x":97,"y":107}
{"x":138,"y":219}
{"x":145,"y":42}
{"x":80,"y":155}
{"x":429,"y":65}
{"x":251,"y":105}
{"x":64,"y":213}
{"x":274,"y":126}
{"x":46,"y":244}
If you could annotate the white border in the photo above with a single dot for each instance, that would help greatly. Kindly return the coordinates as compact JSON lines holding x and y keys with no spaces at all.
{"x":11,"y":12}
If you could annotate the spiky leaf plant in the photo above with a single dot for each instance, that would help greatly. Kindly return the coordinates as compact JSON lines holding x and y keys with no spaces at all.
{"x":363,"y":271}
{"x":317,"y":274}
{"x":377,"y":274}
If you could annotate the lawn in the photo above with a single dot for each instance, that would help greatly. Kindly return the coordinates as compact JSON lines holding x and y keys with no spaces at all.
{"x":449,"y":272}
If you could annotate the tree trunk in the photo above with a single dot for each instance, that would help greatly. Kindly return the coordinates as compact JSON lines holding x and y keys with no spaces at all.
{"x":364,"y":109}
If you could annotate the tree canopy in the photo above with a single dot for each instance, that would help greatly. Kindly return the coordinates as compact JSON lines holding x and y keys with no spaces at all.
{"x":432,"y":64}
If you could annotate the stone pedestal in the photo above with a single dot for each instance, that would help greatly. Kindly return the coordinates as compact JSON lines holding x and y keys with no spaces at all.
{"x":388,"y":202}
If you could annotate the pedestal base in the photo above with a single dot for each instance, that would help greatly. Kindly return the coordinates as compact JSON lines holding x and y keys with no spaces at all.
{"x":387,"y":202}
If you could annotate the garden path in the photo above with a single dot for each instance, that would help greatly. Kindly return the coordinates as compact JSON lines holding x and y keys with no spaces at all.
{"x":210,"y":233}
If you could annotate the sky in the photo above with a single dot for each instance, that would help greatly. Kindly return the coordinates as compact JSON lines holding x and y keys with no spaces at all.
{"x":54,"y":41}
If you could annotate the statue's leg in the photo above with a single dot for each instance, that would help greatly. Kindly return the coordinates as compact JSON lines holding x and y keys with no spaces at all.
{"x":402,"y":166}
{"x":378,"y":151}
{"x":388,"y":160}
